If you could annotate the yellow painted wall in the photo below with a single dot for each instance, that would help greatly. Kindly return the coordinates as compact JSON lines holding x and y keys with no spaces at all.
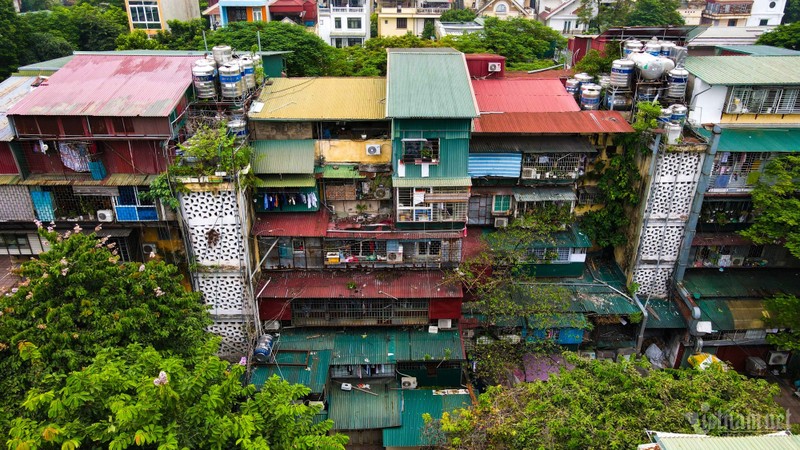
{"x":511,"y":11}
{"x":344,"y":150}
{"x":151,"y":235}
{"x":387,"y":24}
{"x":761,"y":119}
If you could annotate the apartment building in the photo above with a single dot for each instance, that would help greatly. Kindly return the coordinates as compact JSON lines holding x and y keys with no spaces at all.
{"x":152,"y":15}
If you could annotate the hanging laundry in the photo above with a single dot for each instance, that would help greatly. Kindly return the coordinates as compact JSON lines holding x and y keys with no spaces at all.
{"x":74,"y":156}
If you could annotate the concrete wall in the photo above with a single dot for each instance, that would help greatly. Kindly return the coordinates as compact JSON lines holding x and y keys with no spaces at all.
{"x":769,"y":10}
{"x":707,"y":102}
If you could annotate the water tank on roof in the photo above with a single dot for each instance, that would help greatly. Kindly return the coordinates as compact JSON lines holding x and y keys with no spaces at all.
{"x":653,"y":47}
{"x":676,"y":82}
{"x":230,"y":80}
{"x":666,"y":48}
{"x":203,"y":77}
{"x":263,"y":350}
{"x":249,"y":74}
{"x":590,"y":96}
{"x":238,"y":129}
{"x":632,"y":46}
{"x":618,"y":102}
{"x":573,"y":86}
{"x":222,"y":54}
{"x":679,"y":113}
{"x":622,"y":73}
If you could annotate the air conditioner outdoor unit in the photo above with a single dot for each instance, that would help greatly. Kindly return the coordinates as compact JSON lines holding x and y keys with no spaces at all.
{"x":149,"y":248}
{"x":445,"y":324}
{"x":408,"y":382}
{"x":500,"y":222}
{"x":394,"y":257}
{"x":778,"y":358}
{"x":495,"y":67}
{"x":737,"y":261}
{"x":271,"y":325}
{"x":105,"y":215}
{"x":373,"y":149}
{"x":528,"y":173}
{"x":317,"y":403}
{"x":382,"y":194}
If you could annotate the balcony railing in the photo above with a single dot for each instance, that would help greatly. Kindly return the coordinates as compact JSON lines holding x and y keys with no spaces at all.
{"x":728,"y":8}
{"x":347,"y":9}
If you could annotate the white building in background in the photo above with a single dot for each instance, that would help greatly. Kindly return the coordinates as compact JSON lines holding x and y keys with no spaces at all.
{"x":766,"y":13}
{"x":151,"y":16}
{"x":560,"y":15}
{"x":343,"y":23}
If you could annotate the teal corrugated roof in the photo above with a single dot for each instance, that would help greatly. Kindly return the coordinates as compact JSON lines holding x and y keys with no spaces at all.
{"x":730,"y":443}
{"x":745,"y":70}
{"x":666,"y":315}
{"x":759,"y":50}
{"x":421,"y":345}
{"x":415,"y":404}
{"x":340,"y":171}
{"x":285,"y":181}
{"x":428,"y":83}
{"x":755,"y":284}
{"x":356,"y":410}
{"x":431,"y":182}
{"x":283,"y":156}
{"x":757,"y":140}
{"x":563,"y":320}
{"x":310,"y":370}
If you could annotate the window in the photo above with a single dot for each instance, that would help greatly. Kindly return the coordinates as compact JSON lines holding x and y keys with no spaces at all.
{"x":763,"y":100}
{"x":298,"y":245}
{"x":337,"y":23}
{"x":354,"y":42}
{"x":737,"y":170}
{"x":413,"y":206}
{"x":257,"y":16}
{"x":501,"y":204}
{"x":402,"y":23}
{"x":567,"y":26}
{"x":129,"y":207}
{"x":144,"y":14}
{"x":763,"y":22}
{"x":429,"y":248}
{"x":421,"y":150}
{"x":236,"y":14}
{"x":772,"y":4}
{"x":501,"y":9}
{"x":553,"y":165}
{"x":354,"y":23}
{"x":732,"y":22}
{"x":10,"y":241}
{"x":550,"y":255}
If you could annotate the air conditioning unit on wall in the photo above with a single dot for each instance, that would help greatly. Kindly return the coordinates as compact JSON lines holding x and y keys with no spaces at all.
{"x":495,"y":67}
{"x":373,"y":149}
{"x":408,"y":382}
{"x":149,"y":248}
{"x":500,"y":222}
{"x":445,"y":324}
{"x":394,"y":257}
{"x":528,"y":173}
{"x":383,"y":193}
{"x":105,"y":215}
{"x":778,"y":358}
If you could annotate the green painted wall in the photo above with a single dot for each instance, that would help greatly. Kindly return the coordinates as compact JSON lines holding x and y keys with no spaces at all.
{"x":453,"y":135}
{"x":574,"y":269}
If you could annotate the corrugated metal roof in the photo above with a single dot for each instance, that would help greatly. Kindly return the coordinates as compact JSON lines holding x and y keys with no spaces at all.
{"x":421,"y":345}
{"x":116,"y":179}
{"x":701,"y":239}
{"x":283,"y":156}
{"x":730,"y":284}
{"x":416,"y":403}
{"x":9,"y":179}
{"x":759,"y":50}
{"x":396,"y":283}
{"x":666,"y":314}
{"x":555,"y":122}
{"x":428,"y":83}
{"x":562,"y":320}
{"x":550,"y":194}
{"x":430,"y":182}
{"x":11,"y":91}
{"x":341,"y":171}
{"x":46,"y":67}
{"x":313,"y":374}
{"x":350,"y":98}
{"x":730,"y":443}
{"x":532,"y":144}
{"x":523,"y":95}
{"x":495,"y":165}
{"x":111,"y":85}
{"x":745,"y":70}
{"x":291,"y":224}
{"x":404,"y":235}
{"x":285,"y":181}
{"x":355,"y":410}
{"x":757,"y":140}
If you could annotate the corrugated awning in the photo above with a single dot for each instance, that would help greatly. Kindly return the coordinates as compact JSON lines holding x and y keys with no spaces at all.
{"x":544,"y":194}
{"x":10,"y":179}
{"x":341,"y":171}
{"x":757,"y":140}
{"x":117,"y":179}
{"x":532,"y":144}
{"x":663,"y":313}
{"x":431,"y":182}
{"x":495,"y":165}
{"x":459,"y":197}
{"x":100,"y":191}
{"x":730,"y":315}
{"x":285,"y":181}
{"x":294,"y":156}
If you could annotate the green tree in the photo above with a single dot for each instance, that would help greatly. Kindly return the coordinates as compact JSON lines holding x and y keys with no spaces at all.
{"x":183,"y":35}
{"x":786,"y":36}
{"x":521,"y":40}
{"x":784,"y":313}
{"x":78,"y":298}
{"x":606,"y":405}
{"x":138,"y":39}
{"x":791,"y":13}
{"x":136,"y":396}
{"x":654,"y":13}
{"x":45,"y":46}
{"x":373,"y":25}
{"x":776,"y":203}
{"x":599,"y":15}
{"x":428,"y":31}
{"x":458,"y":15}
{"x":84,"y":26}
{"x":595,"y":63}
{"x":12,"y":32}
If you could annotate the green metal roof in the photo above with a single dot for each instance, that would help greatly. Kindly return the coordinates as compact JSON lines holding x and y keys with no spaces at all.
{"x":284,"y":156}
{"x":733,"y":283}
{"x":745,"y":70}
{"x":729,"y":315}
{"x":730,"y":443}
{"x":422,"y":345}
{"x":356,"y":410}
{"x":416,"y":403}
{"x":428,"y":83}
{"x":573,"y":237}
{"x":431,"y":182}
{"x":564,"y":194}
{"x":340,"y":171}
{"x":757,"y":140}
{"x":759,"y":50}
{"x":285,"y":181}
{"x":311,"y":370}
{"x":666,"y":315}
{"x":51,"y":65}
{"x":563,"y":320}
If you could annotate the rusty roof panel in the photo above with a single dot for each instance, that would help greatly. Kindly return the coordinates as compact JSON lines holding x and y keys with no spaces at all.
{"x":554,"y":122}
{"x":396,"y":283}
{"x":296,"y":224}
{"x":523,"y":95}
{"x":112,"y":86}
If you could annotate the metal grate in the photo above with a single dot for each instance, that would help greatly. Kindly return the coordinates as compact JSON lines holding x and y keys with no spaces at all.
{"x":342,"y":311}
{"x":555,"y":165}
{"x":737,"y":170}
{"x":767,"y":100}
{"x":412,"y":207}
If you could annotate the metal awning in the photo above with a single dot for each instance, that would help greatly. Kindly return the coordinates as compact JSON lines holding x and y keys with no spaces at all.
{"x":534,"y":144}
{"x":551,"y":194}
{"x":276,"y":181}
{"x":401,"y":182}
{"x":495,"y":165}
{"x":459,"y":197}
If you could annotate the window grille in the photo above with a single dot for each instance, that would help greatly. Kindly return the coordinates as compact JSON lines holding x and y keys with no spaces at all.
{"x":341,"y":311}
{"x":420,"y":150}
{"x":10,"y":241}
{"x":501,"y":204}
{"x":350,"y":247}
{"x":555,"y":165}
{"x":429,"y":248}
{"x":412,"y":207}
{"x":737,"y":170}
{"x":767,"y":100}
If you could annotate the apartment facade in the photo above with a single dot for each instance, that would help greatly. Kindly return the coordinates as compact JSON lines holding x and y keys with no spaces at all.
{"x":344,"y":23}
{"x":152,"y":15}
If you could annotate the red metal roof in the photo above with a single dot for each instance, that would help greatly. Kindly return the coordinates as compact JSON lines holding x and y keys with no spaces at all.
{"x":701,"y":239}
{"x":395,"y":283}
{"x":555,"y":122}
{"x":292,"y":224}
{"x":545,"y":74}
{"x":484,"y":57}
{"x":343,"y":234}
{"x":112,"y":85}
{"x":523,"y":95}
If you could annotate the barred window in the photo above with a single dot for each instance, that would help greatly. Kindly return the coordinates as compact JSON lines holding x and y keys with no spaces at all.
{"x":766,"y":100}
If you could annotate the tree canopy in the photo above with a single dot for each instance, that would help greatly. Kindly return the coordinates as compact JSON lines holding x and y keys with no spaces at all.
{"x":606,"y":405}
{"x":786,"y":36}
{"x":136,"y":396}
{"x":776,"y":203}
{"x":78,"y":299}
{"x":601,"y":15}
{"x":458,"y":15}
{"x":784,"y":314}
